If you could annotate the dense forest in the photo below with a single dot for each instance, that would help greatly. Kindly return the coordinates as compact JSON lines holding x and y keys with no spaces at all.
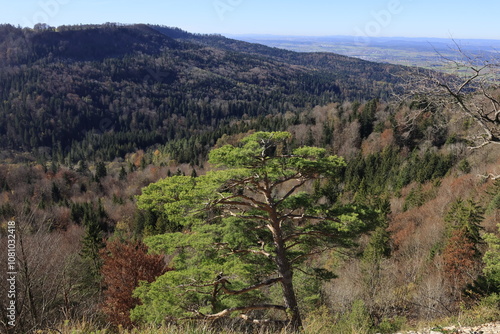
{"x":118,"y":89}
{"x":95,"y":119}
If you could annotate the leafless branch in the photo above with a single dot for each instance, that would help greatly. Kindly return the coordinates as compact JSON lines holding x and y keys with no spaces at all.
{"x":490,"y":176}
{"x":242,"y":309}
{"x":262,"y":321}
{"x":472,"y":93}
{"x":472,"y":86}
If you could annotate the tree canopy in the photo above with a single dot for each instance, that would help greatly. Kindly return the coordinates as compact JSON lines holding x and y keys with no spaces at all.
{"x":248,"y":225}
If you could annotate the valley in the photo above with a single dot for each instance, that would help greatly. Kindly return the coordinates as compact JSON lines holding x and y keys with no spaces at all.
{"x":162,"y":181}
{"x":419,"y":52}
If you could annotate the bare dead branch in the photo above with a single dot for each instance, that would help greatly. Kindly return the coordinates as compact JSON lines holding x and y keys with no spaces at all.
{"x":471,"y":89}
{"x":490,"y":176}
{"x":242,"y":309}
{"x":262,"y":321}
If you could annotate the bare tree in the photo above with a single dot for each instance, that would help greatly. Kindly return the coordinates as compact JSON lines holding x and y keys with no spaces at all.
{"x":47,"y":289}
{"x":470,"y":84}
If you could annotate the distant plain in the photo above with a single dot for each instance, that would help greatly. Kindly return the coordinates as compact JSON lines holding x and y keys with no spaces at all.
{"x":421,"y":52}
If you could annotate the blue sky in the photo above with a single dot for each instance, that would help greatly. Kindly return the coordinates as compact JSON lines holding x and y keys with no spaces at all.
{"x":370,"y":18}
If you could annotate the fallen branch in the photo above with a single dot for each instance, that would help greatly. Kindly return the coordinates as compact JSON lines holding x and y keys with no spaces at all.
{"x":263,"y":321}
{"x":489,"y":176}
{"x":228,"y":311}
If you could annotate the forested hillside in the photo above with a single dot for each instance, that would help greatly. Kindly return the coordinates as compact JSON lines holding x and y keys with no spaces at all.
{"x":122,"y":88}
{"x":386,"y":218}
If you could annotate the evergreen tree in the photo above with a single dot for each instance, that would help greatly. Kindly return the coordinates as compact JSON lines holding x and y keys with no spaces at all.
{"x":123,"y":174}
{"x":82,"y":167}
{"x":56,"y":193}
{"x":466,"y":216}
{"x":461,"y":254}
{"x":94,"y":222}
{"x":249,"y":222}
{"x":100,"y":171}
{"x":492,"y":259}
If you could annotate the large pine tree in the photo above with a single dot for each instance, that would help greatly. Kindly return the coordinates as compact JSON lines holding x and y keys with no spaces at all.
{"x":248,"y":225}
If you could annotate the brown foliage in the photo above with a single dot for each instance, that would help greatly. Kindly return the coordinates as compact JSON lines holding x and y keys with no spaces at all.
{"x":459,"y":257}
{"x":124,"y":265}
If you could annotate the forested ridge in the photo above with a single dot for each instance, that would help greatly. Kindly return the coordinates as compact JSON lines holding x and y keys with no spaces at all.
{"x":139,"y":87}
{"x":145,"y":153}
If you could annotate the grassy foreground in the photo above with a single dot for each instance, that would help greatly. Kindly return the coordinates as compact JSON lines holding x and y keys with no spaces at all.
{"x":321,"y":321}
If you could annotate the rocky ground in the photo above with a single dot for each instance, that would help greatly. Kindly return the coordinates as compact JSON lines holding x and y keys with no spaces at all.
{"x":490,"y":328}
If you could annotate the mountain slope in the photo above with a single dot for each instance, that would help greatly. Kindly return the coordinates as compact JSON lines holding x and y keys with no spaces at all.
{"x":347,"y":67}
{"x":99,"y":92}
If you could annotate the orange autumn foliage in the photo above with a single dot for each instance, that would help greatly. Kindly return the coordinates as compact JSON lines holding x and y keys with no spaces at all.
{"x":459,"y":258}
{"x":124,"y":265}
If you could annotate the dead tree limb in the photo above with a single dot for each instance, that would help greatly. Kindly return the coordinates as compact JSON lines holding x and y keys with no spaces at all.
{"x":471,"y":84}
{"x":243,"y":309}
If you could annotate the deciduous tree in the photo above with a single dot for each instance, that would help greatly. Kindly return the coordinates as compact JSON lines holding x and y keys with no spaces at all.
{"x":124,"y":265}
{"x":471,"y":73}
{"x":472,"y":87}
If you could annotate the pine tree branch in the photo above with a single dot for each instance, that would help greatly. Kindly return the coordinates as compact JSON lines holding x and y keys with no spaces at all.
{"x":309,"y":233}
{"x":308,"y":217}
{"x":309,"y":254}
{"x":242,"y":200}
{"x":225,"y":245}
{"x":268,"y":282}
{"x":291,"y":191}
{"x":252,"y":251}
{"x":223,"y":281}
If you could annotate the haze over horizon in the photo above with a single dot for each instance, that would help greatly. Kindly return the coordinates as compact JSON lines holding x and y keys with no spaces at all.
{"x":362,"y":18}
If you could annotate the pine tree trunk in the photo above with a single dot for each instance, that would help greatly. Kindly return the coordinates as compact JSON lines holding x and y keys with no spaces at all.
{"x":284,"y":267}
{"x":285,"y":271}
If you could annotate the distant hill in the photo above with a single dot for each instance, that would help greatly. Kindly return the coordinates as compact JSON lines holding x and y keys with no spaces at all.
{"x":100,"y":91}
{"x":422,"y":52}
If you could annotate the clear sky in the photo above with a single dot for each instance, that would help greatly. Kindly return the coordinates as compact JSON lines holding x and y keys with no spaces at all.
{"x":367,"y":18}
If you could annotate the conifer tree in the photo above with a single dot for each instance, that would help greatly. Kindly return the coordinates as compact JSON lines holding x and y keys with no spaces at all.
{"x":247,"y":228}
{"x":492,"y":259}
{"x":92,"y":242}
{"x":123,"y":174}
{"x":461,"y":254}
{"x":100,"y":171}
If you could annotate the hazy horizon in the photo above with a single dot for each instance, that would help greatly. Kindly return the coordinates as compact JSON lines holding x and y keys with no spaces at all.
{"x":423,"y":38}
{"x":362,"y":18}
